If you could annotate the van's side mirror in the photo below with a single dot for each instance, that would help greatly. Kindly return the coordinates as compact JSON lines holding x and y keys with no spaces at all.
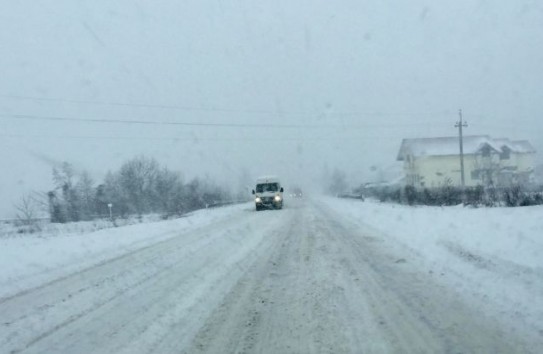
{"x":253,"y":191}
{"x":281,"y":190}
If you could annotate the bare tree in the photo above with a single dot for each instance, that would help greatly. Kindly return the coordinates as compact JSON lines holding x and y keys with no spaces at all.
{"x":85,"y":191}
{"x":63,"y":176}
{"x":27,"y":212}
{"x":168,"y":189}
{"x":137,"y":179}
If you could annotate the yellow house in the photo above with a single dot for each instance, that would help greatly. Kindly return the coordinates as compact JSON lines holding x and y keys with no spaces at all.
{"x":435,"y":162}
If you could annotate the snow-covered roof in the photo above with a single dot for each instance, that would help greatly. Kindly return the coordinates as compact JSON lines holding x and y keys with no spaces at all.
{"x":267,"y":179}
{"x":523,"y":146}
{"x":501,"y":142}
{"x":446,"y":146}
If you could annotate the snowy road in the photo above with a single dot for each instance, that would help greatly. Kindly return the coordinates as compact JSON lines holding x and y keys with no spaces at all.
{"x":300,"y":280}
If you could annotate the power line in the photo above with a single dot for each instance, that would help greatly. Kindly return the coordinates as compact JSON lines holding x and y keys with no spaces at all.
{"x":142,"y":105}
{"x":192,"y":139}
{"x":224,"y":109}
{"x":207,"y":124}
{"x":148,"y":122}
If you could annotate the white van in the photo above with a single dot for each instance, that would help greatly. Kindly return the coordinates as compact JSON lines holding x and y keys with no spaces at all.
{"x":268,"y":193}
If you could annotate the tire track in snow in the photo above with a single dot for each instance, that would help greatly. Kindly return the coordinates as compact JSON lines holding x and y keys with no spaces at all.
{"x":419,"y":314}
{"x":58,"y":309}
{"x":327,"y":288}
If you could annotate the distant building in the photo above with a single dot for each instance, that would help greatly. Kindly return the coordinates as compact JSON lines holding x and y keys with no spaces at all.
{"x":434,"y":162}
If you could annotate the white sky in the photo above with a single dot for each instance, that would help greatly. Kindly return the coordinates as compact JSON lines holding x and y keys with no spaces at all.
{"x":351,"y":78}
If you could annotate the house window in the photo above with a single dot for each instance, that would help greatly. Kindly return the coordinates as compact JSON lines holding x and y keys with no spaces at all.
{"x":506,"y":153}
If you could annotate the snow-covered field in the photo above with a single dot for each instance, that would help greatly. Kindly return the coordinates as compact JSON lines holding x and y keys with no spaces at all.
{"x":321,"y":275}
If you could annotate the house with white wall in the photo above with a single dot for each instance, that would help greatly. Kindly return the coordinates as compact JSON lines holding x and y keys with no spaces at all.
{"x":435,"y":162}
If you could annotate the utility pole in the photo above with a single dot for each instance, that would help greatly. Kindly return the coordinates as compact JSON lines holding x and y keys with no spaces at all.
{"x":461,"y":125}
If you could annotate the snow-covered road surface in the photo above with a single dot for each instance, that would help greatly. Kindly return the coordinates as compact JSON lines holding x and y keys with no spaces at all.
{"x":304,"y":279}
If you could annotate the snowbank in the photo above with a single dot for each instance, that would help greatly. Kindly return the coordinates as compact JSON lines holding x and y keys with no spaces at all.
{"x":491,"y":256}
{"x":507,"y":234}
{"x":31,"y":259}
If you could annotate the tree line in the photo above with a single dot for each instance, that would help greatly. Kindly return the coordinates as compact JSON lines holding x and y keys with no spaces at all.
{"x":140,"y":186}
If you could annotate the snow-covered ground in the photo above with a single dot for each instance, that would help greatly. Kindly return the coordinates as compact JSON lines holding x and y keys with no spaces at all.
{"x":27,"y":260}
{"x":492,"y":256}
{"x":321,"y":275}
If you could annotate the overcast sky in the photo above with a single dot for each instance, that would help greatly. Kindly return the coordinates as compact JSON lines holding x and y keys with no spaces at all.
{"x":336,"y":83}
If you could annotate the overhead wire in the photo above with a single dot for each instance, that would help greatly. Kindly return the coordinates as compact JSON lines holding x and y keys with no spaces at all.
{"x":148,"y":122}
{"x":225,"y":109}
{"x":142,"y":105}
{"x":192,"y":139}
{"x":208,"y":124}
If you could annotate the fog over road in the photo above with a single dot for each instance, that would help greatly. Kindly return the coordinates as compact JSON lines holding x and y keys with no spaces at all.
{"x":298,"y":280}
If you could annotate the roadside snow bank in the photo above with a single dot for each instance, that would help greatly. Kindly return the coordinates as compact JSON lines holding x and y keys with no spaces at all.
{"x":44,"y":228}
{"x":508,"y":234}
{"x":491,"y":256}
{"x":31,"y":260}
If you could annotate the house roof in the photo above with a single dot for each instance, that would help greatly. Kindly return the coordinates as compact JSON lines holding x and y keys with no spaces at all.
{"x":446,"y":146}
{"x":523,"y":146}
{"x":505,"y":142}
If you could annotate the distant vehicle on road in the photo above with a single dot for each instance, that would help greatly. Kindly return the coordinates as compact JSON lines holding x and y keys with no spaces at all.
{"x":296,"y":192}
{"x":268,"y":193}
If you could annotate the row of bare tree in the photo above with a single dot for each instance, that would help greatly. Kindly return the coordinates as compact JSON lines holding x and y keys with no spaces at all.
{"x":139,"y":187}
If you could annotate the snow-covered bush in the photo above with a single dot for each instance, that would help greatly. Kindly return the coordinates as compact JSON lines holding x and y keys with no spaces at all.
{"x":448,"y":195}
